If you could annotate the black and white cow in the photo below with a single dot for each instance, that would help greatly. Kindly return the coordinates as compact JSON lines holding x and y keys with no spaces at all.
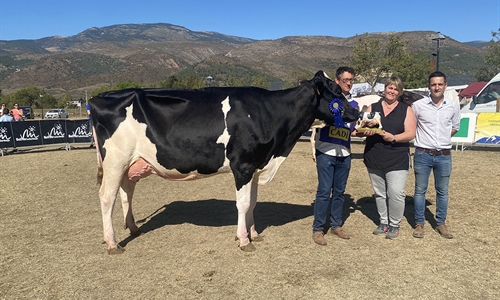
{"x":192,"y":134}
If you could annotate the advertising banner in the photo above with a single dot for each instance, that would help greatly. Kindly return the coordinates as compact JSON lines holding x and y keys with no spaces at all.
{"x":79,"y":131}
{"x":44,"y":132}
{"x":6,"y":135}
{"x":467,"y":127}
{"x":27,"y":133}
{"x":488,"y":128}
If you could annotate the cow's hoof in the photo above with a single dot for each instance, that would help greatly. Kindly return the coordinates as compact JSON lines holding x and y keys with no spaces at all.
{"x":257,"y":238}
{"x":136,"y":233}
{"x":118,"y":250}
{"x":248,"y":248}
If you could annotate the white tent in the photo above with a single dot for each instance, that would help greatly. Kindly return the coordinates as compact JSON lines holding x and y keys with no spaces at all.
{"x":366,"y":100}
{"x":359,"y":88}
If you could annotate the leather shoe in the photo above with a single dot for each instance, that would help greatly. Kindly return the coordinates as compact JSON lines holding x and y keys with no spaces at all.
{"x":319,"y":238}
{"x":418,"y":232}
{"x":340,"y":233}
{"x":444,"y":232}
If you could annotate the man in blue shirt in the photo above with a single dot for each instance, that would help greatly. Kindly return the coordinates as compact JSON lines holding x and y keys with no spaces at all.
{"x":6,"y":117}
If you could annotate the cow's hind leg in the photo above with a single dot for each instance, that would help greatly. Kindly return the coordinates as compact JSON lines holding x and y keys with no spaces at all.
{"x":107,"y":194}
{"x":126,"y":193}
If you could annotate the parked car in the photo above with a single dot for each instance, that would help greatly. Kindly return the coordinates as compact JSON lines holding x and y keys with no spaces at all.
{"x":56,"y":113}
{"x":27,"y":112}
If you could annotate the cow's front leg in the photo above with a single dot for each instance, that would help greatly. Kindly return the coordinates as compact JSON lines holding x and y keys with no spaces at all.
{"x":254,"y":235}
{"x":243,"y":196}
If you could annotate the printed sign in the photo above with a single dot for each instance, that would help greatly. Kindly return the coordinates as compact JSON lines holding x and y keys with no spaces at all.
{"x":467,"y":126}
{"x":44,"y":132}
{"x":488,"y":128}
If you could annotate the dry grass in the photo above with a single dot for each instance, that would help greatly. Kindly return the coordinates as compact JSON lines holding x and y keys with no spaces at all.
{"x":51,"y":239}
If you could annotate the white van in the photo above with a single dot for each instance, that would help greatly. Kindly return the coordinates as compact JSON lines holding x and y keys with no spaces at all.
{"x":486,"y":99}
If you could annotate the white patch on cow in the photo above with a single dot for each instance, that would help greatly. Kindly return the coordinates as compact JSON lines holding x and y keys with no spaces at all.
{"x":267,"y":173}
{"x":224,"y":137}
{"x":129,"y":143}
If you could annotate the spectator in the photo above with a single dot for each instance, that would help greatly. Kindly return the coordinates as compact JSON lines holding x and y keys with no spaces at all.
{"x":2,"y":109}
{"x":5,"y":115}
{"x":438,"y":119}
{"x":387,"y":156}
{"x":332,"y":153}
{"x":17,"y":113}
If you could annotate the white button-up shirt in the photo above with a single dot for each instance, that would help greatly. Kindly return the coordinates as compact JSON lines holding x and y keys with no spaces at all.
{"x":434,"y":124}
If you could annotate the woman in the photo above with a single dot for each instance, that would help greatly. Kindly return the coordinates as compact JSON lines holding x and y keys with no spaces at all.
{"x":17,"y":113}
{"x":2,"y":109}
{"x":387,"y":156}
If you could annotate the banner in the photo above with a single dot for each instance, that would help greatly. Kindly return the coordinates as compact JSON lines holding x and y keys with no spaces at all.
{"x":467,"y":127}
{"x":6,"y":135}
{"x":44,"y":132}
{"x":488,"y":128}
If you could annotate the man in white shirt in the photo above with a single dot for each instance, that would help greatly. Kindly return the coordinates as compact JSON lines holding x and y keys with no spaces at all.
{"x":438,"y":119}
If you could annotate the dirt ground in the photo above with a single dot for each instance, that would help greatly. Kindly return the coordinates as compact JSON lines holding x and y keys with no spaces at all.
{"x":51,"y":236}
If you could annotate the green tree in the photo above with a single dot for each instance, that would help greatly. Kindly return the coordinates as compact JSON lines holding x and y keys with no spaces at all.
{"x":100,"y":90}
{"x":294,"y":76}
{"x":194,"y":82}
{"x":492,"y":57}
{"x":368,"y":59}
{"x":170,"y":82}
{"x":412,"y":68}
{"x":234,"y":81}
{"x":126,"y":85}
{"x":374,"y":60}
{"x":260,"y":81}
{"x":64,"y":101}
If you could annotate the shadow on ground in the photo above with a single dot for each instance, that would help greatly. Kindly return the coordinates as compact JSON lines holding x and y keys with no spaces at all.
{"x":368,"y":207}
{"x":214,"y":212}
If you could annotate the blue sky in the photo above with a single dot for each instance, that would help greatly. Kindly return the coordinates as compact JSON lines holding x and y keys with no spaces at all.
{"x":461,"y":20}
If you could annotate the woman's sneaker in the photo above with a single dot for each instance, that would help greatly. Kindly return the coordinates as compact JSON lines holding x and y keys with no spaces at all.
{"x":381,"y":229}
{"x":392,"y":233}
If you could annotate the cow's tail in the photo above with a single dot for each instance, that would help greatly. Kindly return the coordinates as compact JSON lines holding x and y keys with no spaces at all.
{"x":99,"y":159}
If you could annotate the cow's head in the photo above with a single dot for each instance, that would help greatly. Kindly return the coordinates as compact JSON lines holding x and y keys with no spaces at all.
{"x":331,"y":101}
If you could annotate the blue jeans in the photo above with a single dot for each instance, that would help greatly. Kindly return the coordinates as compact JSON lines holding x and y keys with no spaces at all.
{"x":332,"y":179}
{"x":441,"y":167}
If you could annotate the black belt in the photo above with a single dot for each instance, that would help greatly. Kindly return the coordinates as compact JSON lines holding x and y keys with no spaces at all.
{"x":435,"y":152}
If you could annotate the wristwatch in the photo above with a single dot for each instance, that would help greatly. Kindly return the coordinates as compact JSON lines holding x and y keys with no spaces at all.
{"x":394,"y":140}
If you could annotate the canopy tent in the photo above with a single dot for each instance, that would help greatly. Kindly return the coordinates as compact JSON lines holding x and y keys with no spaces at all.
{"x":359,"y":88}
{"x":473,"y":89}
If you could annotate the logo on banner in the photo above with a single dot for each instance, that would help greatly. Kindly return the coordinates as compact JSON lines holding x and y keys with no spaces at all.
{"x":3,"y":135}
{"x":28,"y":135}
{"x":81,"y":132}
{"x":56,"y":132}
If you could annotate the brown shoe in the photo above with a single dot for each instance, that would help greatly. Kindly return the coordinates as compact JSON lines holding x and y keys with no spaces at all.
{"x":319,"y":238}
{"x":444,"y":232}
{"x":340,"y":233}
{"x":418,"y":232}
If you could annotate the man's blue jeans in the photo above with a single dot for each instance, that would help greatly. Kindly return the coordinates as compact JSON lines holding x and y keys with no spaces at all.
{"x":332,"y":179}
{"x":441,"y":167}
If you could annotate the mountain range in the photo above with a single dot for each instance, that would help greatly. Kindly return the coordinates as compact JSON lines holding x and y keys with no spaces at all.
{"x":150,"y":53}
